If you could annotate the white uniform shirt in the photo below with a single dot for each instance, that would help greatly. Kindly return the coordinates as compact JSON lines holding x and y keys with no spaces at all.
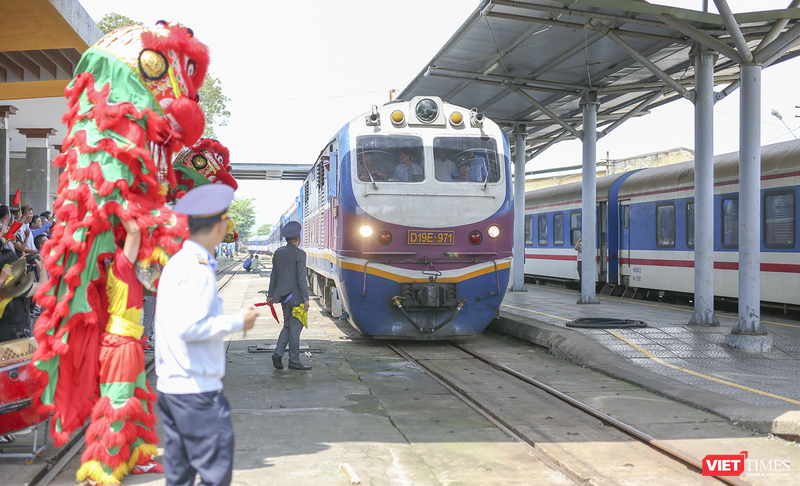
{"x":444,"y":170}
{"x":190,"y":326}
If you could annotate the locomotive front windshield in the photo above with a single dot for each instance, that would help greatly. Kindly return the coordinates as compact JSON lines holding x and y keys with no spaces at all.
{"x":390,"y":159}
{"x":402,"y":159}
{"x":465,"y":159}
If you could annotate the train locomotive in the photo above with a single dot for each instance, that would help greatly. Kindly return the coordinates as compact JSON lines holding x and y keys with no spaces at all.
{"x":408,"y":246}
{"x":645,"y":229}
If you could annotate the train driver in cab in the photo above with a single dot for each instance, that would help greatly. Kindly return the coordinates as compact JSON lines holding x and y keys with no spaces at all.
{"x":407,"y":170}
{"x":471,"y":168}
{"x":366,"y":172}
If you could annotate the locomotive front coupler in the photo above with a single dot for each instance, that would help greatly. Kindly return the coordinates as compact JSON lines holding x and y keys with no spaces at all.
{"x":397,"y":302}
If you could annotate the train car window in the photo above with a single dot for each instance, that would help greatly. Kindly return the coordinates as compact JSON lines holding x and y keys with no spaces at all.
{"x":779,"y":219}
{"x":529,"y":230}
{"x":574,"y":227}
{"x":558,"y":229}
{"x":383,"y":158}
{"x":466,"y":159}
{"x":730,"y":222}
{"x":690,"y":224}
{"x":626,"y":217}
{"x":542,"y":230}
{"x":665,"y":225}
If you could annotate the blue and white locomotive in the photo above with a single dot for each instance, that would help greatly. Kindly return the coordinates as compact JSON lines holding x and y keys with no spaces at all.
{"x":407,"y":220}
{"x":645,"y":230}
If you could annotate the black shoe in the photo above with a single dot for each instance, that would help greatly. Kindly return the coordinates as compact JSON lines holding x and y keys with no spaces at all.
{"x":276,"y":362}
{"x":300,"y":366}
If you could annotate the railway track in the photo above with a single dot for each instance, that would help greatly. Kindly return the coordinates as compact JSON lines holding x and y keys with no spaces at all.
{"x":472,"y":389}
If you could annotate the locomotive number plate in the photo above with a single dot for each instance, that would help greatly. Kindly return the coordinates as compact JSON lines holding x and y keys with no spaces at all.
{"x":423,"y":237}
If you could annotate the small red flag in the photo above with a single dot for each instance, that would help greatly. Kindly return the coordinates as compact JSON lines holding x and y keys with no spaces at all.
{"x":17,"y":199}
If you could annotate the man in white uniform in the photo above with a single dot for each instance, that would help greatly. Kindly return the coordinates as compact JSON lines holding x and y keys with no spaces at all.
{"x":190,"y":352}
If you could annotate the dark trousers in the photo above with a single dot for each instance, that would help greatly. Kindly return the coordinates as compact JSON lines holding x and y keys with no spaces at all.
{"x":290,"y":334}
{"x":198,"y":438}
{"x":580,"y":277}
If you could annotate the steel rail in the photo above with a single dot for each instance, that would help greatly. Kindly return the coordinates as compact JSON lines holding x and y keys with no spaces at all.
{"x":619,"y":425}
{"x":475,"y":406}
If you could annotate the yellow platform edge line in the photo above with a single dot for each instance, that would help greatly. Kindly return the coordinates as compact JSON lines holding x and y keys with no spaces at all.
{"x":711,"y":378}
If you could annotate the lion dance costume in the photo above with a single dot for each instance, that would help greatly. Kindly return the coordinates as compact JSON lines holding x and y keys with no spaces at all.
{"x":208,"y":162}
{"x":132,"y":104}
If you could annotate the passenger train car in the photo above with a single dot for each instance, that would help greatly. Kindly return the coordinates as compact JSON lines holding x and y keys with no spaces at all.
{"x":645,"y":230}
{"x":394,"y":238}
{"x":257,"y":244}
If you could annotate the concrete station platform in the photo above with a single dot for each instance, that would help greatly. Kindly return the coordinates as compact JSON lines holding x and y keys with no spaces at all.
{"x":362,"y":405}
{"x":688,"y":363}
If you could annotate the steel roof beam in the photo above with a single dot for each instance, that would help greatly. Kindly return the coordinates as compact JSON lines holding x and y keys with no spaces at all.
{"x":524,"y":82}
{"x":779,"y":46}
{"x":702,"y":37}
{"x":641,"y":106}
{"x":541,"y":108}
{"x":657,"y":71}
{"x":736,"y":33}
{"x":536,"y":151}
{"x":500,"y":96}
{"x":634,"y":87}
{"x":579,"y":26}
{"x":500,"y":81}
{"x":776,"y":29}
{"x":572,"y":119}
{"x":580,"y":13}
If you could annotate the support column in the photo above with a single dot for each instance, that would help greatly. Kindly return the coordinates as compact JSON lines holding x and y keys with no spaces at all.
{"x":749,"y":333}
{"x":55,"y":172}
{"x":589,"y":105}
{"x":703,"y":61}
{"x":5,"y":142}
{"x":518,"y":284}
{"x":36,"y":187}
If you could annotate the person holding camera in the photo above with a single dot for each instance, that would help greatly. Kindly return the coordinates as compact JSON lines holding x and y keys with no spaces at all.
{"x":15,"y":310}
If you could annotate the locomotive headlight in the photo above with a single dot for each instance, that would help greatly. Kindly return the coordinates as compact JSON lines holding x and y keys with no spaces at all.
{"x":456,"y":119}
{"x":426,"y":110}
{"x":398,"y":117}
{"x":493,"y":231}
{"x":366,"y":230}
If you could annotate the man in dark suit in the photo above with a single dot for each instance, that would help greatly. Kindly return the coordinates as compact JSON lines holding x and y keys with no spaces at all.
{"x":288,"y":286}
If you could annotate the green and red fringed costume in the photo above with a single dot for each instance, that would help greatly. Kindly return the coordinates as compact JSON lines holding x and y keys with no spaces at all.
{"x":207,"y":162}
{"x":131,"y":105}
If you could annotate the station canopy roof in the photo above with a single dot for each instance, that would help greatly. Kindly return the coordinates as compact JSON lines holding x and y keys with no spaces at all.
{"x":531,"y":61}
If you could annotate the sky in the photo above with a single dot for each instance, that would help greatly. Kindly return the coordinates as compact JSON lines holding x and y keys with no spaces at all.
{"x":297,"y":71}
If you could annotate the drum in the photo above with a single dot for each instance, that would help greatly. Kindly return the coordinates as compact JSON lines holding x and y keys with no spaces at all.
{"x":17,"y":386}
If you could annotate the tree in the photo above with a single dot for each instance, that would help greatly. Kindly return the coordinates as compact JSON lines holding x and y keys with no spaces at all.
{"x":244,"y":216}
{"x":264,"y":229}
{"x":212,"y":100}
{"x":113,"y":20}
{"x":213,"y":103}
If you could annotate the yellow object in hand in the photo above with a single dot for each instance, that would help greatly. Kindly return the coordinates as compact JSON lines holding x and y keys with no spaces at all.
{"x":300,"y":313}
